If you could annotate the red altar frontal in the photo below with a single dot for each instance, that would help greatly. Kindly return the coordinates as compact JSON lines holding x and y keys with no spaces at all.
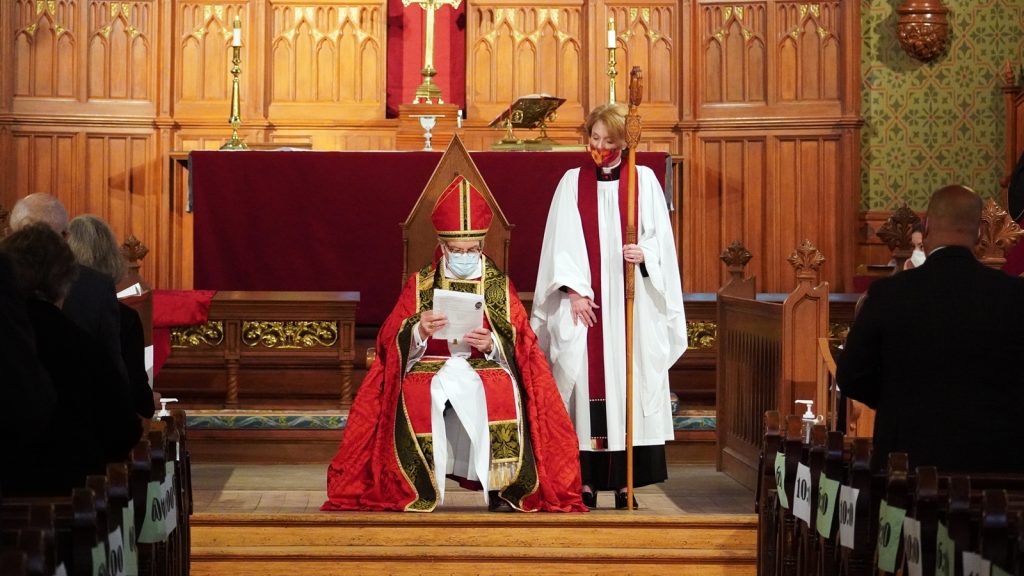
{"x":329,"y":221}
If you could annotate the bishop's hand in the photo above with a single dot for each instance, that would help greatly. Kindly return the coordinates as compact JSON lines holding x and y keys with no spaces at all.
{"x":480,"y":338}
{"x":431,"y":322}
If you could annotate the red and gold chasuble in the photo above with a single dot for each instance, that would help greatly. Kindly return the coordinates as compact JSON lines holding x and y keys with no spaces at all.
{"x":385,"y":461}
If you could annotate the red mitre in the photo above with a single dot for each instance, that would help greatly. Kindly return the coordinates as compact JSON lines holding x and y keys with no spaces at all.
{"x":461,"y":212}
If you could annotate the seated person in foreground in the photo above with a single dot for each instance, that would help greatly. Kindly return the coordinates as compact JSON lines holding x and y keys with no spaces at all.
{"x":95,"y":422}
{"x":95,"y":246}
{"x":482,"y":408}
{"x":937,"y":350}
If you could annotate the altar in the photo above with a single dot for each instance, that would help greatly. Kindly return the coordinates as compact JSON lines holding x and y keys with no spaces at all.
{"x":329,"y":221}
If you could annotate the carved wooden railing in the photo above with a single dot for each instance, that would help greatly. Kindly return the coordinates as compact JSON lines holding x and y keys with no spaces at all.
{"x":896,"y":234}
{"x":999,"y":233}
{"x":768,"y":355}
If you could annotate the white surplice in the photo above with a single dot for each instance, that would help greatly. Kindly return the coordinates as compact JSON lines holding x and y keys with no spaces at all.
{"x":659,"y":326}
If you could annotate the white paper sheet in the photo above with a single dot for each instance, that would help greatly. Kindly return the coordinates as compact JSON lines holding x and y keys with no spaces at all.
{"x":465,"y":313}
{"x":133,"y":290}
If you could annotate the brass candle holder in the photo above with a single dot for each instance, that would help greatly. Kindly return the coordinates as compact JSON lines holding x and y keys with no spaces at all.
{"x":612,"y":72}
{"x":235,"y":119}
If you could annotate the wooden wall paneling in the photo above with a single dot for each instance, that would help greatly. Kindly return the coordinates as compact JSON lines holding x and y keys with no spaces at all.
{"x":6,"y":71}
{"x":648,"y":36}
{"x":327,"y":59}
{"x":808,"y":51}
{"x":514,"y":49}
{"x":726,"y":204}
{"x":122,"y":56}
{"x":372,"y":136}
{"x":733,"y":59}
{"x":47,"y":54}
{"x":119,"y":183}
{"x":7,"y":193}
{"x":802,"y":204}
{"x":46,"y":160}
{"x":202,"y":58}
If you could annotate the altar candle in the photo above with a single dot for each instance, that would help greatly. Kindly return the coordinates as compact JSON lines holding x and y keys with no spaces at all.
{"x":611,"y":33}
{"x":236,"y":38}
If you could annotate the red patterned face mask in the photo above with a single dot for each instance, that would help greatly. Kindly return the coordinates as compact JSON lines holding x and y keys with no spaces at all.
{"x":605,"y":157}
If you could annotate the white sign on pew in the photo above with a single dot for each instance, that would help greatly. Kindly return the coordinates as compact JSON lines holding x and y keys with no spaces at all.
{"x":847,"y":515}
{"x":115,"y":543}
{"x":912,"y":546}
{"x":975,"y":565}
{"x":170,"y":498}
{"x":802,"y":494}
{"x":131,"y":562}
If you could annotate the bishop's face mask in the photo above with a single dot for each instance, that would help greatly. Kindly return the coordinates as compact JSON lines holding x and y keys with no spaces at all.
{"x":463,"y":264}
{"x":917,"y":257}
{"x":605,"y":157}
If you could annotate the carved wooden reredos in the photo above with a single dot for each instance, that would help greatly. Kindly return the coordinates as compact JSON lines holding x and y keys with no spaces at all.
{"x":760,"y":99}
{"x":419,"y":239}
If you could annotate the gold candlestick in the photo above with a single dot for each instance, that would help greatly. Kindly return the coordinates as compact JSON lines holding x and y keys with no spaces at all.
{"x":235,"y":118}
{"x":429,"y":92}
{"x":612,"y":72}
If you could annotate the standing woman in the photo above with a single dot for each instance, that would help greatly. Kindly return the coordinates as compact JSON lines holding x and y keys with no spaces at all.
{"x":579,"y":311}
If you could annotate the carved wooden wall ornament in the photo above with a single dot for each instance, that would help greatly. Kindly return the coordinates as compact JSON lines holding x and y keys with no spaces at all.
{"x":923,"y":28}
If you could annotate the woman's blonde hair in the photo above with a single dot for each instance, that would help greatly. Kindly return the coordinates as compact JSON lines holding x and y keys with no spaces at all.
{"x":614,"y":118}
{"x":95,"y":246}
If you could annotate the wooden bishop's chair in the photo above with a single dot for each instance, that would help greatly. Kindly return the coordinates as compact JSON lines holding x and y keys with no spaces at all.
{"x":419,"y":239}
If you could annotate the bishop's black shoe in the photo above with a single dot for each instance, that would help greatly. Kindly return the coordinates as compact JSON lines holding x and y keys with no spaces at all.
{"x":620,"y":501}
{"x":496,"y":503}
{"x":590,"y":499}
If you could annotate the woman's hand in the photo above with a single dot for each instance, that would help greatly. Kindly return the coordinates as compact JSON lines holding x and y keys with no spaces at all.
{"x":480,"y":339}
{"x":431,"y":322}
{"x":582,"y":309}
{"x":632,"y":253}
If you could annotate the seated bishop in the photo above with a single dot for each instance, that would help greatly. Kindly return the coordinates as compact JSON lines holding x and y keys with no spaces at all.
{"x":481,"y":408}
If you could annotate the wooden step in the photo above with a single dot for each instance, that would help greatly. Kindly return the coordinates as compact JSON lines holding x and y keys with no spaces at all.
{"x":476,"y":543}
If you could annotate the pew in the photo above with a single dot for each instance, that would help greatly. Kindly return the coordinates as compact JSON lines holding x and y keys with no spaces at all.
{"x":906,"y":518}
{"x":767,"y":355}
{"x":100,"y":527}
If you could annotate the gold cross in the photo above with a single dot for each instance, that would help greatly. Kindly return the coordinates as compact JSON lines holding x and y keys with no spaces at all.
{"x":429,"y":91}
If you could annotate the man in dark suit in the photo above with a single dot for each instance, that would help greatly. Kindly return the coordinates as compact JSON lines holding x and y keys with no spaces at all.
{"x":938,"y":351}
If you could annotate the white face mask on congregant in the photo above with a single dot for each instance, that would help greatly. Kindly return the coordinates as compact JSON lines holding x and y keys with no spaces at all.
{"x":917,"y":257}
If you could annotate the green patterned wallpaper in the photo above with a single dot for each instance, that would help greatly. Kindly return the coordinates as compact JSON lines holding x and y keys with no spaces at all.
{"x":928,"y":125}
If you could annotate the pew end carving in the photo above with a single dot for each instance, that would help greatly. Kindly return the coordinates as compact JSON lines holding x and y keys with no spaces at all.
{"x":895,"y":234}
{"x":767,"y":357}
{"x":999,"y":233}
